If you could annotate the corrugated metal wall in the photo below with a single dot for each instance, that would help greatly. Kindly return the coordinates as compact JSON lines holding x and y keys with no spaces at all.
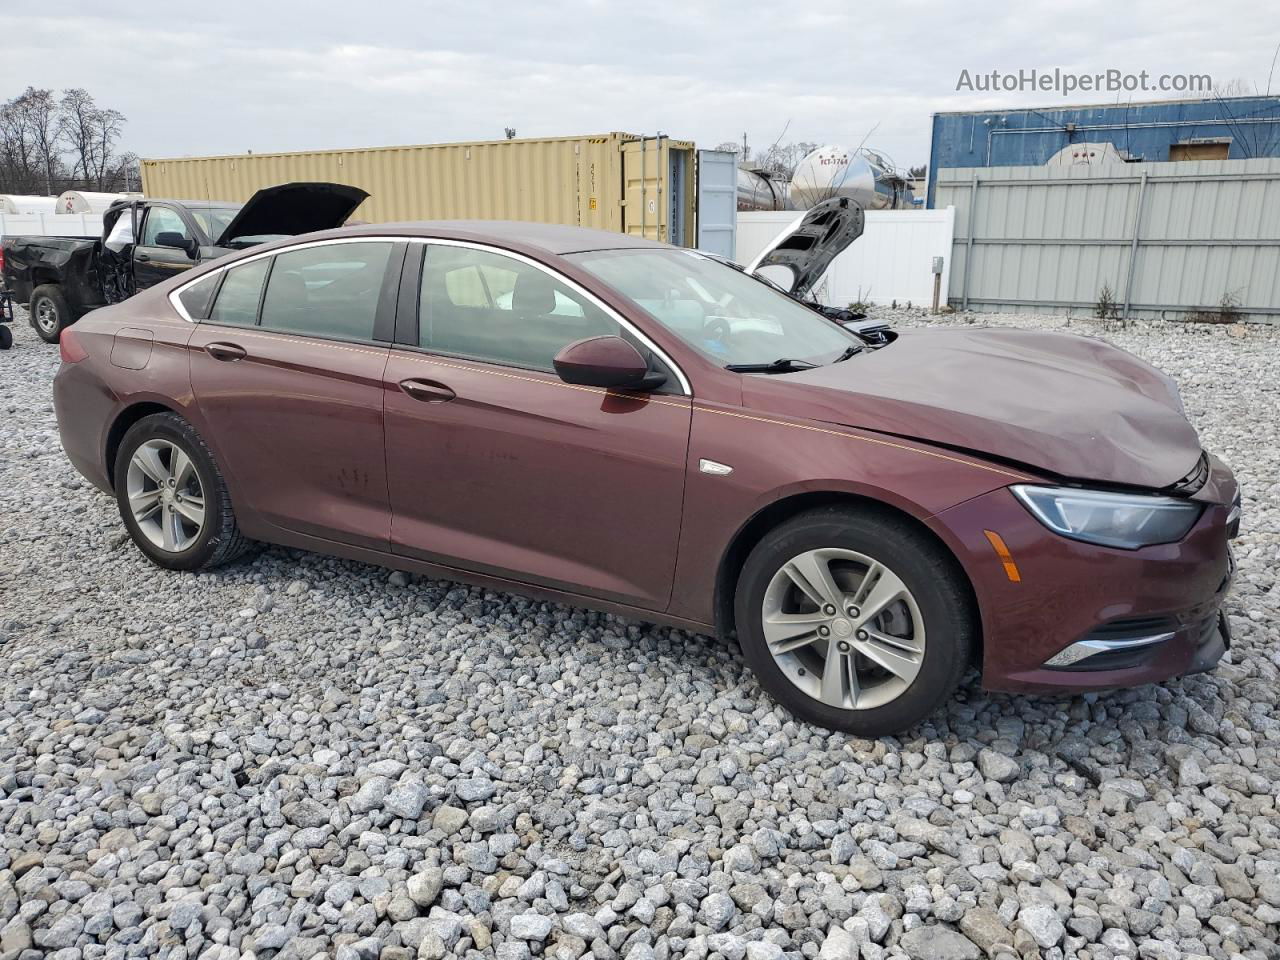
{"x":571,"y":180}
{"x":1168,"y":239}
{"x":1249,"y":127}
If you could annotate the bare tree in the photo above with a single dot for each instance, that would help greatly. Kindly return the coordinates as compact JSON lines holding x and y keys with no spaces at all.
{"x":19,"y":154}
{"x":49,"y":144}
{"x":31,"y":125}
{"x":90,"y":133}
{"x":782,"y":158}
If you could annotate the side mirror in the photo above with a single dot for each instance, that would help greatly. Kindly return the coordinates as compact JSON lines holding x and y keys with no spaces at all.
{"x":172,"y":238}
{"x":608,"y":362}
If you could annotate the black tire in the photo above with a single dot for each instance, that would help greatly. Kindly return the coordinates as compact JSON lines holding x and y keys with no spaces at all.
{"x":49,"y":297}
{"x":929,"y":572}
{"x":219,"y":541}
{"x":6,"y":337}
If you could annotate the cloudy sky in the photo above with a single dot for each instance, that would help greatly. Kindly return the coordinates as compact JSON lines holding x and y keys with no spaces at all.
{"x":230,"y":76}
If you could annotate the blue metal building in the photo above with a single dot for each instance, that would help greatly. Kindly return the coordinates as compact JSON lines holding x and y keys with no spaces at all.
{"x":1217,"y":128}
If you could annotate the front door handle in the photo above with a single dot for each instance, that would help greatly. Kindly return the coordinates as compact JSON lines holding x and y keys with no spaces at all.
{"x":225,"y":351}
{"x":428,"y":391}
{"x":143,"y":258}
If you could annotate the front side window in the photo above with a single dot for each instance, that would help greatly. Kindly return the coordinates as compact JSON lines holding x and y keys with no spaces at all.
{"x":121,"y":233}
{"x":162,"y":220}
{"x":487,"y":306}
{"x":238,"y":297}
{"x":723,"y":313}
{"x":329,"y":290}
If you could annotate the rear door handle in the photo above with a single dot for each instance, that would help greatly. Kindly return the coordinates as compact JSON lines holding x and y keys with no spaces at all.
{"x":225,"y":351}
{"x":428,"y":391}
{"x":143,"y":258}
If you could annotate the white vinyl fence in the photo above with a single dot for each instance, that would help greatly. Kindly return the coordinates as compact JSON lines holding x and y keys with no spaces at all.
{"x":51,"y":224}
{"x":892,"y":260}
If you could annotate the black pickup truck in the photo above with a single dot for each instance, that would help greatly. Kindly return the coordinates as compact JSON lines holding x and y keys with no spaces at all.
{"x":146,"y":241}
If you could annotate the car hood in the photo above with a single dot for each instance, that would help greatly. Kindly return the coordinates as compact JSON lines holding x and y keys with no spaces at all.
{"x":292,"y":208}
{"x":1073,"y":406}
{"x":808,"y":245}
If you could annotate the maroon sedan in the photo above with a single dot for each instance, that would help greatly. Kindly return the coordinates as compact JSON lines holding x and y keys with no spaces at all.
{"x":601,"y":420}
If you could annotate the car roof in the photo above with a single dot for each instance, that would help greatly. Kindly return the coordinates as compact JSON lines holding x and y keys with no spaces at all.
{"x":552,"y":238}
{"x":192,"y":204}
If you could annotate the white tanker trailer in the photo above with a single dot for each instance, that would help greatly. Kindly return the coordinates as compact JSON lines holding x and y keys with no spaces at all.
{"x":863,"y":176}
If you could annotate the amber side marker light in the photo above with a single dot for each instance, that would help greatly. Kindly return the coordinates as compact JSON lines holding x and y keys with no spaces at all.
{"x":1002,"y":551}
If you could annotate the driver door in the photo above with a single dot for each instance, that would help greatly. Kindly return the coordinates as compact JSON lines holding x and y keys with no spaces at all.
{"x":496,"y":465}
{"x":154,"y":262}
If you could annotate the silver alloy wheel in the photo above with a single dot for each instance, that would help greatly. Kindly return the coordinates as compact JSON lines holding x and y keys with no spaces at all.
{"x":843,"y":628}
{"x":165,"y":495}
{"x":46,"y":316}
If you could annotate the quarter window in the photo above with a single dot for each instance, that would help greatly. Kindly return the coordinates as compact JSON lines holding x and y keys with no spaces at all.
{"x":162,"y":220}
{"x":195,"y":297}
{"x":329,"y":290}
{"x":487,"y":306}
{"x":238,"y":297}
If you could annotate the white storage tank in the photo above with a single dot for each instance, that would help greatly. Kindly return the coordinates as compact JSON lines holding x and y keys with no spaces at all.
{"x":15,"y":204}
{"x":85,"y":201}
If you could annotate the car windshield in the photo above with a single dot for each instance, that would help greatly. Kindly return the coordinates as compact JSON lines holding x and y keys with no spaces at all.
{"x":725,"y":314}
{"x":213,"y":220}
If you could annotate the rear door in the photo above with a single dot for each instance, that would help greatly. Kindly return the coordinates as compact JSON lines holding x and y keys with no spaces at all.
{"x":286,"y":364}
{"x":154,"y":262}
{"x":496,"y":465}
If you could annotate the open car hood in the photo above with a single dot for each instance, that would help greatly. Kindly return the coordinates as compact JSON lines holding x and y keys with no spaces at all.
{"x":292,"y":208}
{"x":1073,"y":406}
{"x":807,"y":247}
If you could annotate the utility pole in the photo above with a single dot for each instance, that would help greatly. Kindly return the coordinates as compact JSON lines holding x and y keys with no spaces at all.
{"x":745,"y":155}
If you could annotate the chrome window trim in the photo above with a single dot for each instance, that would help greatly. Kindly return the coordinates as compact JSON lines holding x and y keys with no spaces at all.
{"x":613,"y":314}
{"x":177,"y":291}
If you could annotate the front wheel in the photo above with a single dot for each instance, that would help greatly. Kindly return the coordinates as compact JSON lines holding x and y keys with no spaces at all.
{"x":50,"y":312}
{"x":855,"y":620}
{"x":172,"y":497}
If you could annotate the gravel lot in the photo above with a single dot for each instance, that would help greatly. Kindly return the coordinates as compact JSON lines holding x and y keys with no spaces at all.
{"x":299,"y":757}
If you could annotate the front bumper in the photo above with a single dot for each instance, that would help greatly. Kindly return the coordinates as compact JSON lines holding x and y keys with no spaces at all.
{"x":1084,"y":617}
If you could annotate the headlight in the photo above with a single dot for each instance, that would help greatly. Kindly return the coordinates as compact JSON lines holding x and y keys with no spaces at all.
{"x":1124,"y":520}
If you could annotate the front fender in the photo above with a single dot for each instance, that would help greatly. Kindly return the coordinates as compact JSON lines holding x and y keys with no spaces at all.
{"x":786,"y":458}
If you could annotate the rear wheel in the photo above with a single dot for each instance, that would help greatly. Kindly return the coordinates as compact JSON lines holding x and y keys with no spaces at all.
{"x":854,"y":620}
{"x":6,"y":337}
{"x":50,"y":312}
{"x":172,"y":497}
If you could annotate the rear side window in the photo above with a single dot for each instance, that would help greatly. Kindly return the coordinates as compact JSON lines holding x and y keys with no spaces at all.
{"x":327,"y":291}
{"x":198,"y":296}
{"x":238,"y":297}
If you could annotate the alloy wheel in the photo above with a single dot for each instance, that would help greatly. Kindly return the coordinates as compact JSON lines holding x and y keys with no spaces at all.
{"x":165,"y":495}
{"x":843,"y":628}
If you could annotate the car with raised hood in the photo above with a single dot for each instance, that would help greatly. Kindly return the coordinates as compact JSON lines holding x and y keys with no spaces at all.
{"x":145,"y":241}
{"x":611,"y":422}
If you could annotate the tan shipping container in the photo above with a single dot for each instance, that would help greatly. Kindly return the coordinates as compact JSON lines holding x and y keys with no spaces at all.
{"x":616,"y":181}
